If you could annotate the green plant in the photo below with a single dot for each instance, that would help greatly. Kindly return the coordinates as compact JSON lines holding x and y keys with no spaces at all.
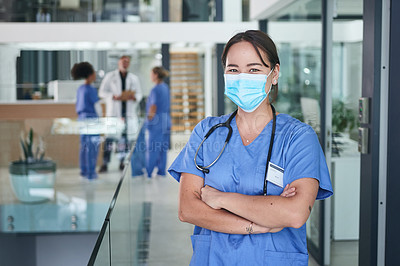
{"x":147,"y":2}
{"x":342,"y":117}
{"x":27,"y":146}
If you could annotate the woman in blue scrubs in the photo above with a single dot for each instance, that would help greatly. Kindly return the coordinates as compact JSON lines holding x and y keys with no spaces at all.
{"x":244,"y":212}
{"x":158,"y":123}
{"x":87,"y":107}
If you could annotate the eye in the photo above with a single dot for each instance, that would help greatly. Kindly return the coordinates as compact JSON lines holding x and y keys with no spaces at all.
{"x":254,"y":70}
{"x":232,"y":70}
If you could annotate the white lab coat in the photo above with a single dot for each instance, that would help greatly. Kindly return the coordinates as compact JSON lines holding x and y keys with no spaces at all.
{"x":111,"y":85}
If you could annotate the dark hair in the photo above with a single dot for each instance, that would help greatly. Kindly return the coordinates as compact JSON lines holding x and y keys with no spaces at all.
{"x":161,"y":72}
{"x":82,"y":70}
{"x":260,"y":41}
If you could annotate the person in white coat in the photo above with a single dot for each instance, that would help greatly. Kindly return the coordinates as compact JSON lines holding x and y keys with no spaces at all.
{"x":120,"y":105}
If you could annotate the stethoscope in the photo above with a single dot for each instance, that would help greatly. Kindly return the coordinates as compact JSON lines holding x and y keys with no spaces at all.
{"x":227,"y":124}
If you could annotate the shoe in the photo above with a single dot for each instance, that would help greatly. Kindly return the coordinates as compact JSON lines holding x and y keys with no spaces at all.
{"x":103,"y":169}
{"x":121,"y":166}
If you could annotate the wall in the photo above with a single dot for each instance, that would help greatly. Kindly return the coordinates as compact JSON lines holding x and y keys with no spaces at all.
{"x":232,"y":10}
{"x":8,"y":74}
{"x":261,"y":9}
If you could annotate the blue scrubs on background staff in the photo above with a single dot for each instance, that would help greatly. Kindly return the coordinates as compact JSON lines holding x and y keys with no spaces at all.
{"x":87,"y":107}
{"x":158,"y":123}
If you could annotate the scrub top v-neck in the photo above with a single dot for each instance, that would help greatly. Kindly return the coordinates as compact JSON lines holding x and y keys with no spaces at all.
{"x":241,"y":169}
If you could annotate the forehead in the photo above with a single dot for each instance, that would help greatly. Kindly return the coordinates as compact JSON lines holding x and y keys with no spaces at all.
{"x":245,"y":52}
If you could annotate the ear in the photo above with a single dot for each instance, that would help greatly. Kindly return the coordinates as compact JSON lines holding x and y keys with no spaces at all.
{"x":275,"y":74}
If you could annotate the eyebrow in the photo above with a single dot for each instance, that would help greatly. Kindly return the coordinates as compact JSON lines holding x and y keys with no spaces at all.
{"x":251,"y":64}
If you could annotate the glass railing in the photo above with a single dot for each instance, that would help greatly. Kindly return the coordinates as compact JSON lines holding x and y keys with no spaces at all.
{"x":64,"y":219}
{"x":48,"y":211}
{"x":122,"y":239}
{"x":104,"y":252}
{"x":142,"y":226}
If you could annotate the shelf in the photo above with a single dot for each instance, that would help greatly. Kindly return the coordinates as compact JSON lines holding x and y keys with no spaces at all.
{"x":187,"y":95}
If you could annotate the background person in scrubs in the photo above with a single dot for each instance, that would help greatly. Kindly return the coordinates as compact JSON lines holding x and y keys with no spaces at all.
{"x":87,"y":107}
{"x":235,"y":224}
{"x":158,"y":123}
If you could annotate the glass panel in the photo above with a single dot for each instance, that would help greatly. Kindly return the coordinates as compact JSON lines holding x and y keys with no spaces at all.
{"x":346,"y":90}
{"x":296,"y":31}
{"x":138,"y":217}
{"x":198,"y":10}
{"x":80,"y":11}
{"x":158,"y":237}
{"x":44,"y":198}
{"x":130,"y":11}
{"x":41,"y":71}
{"x":121,"y":226}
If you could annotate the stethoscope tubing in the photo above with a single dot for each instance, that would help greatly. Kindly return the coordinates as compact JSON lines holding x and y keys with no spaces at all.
{"x":227,"y":124}
{"x":206,"y":170}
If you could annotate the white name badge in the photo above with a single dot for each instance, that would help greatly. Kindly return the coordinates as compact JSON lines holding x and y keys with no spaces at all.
{"x":275,"y":174}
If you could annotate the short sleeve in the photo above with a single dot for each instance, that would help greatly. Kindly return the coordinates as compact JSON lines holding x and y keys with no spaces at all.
{"x":305,"y":159}
{"x":80,"y":102}
{"x":184,"y":162}
{"x":152,"y":97}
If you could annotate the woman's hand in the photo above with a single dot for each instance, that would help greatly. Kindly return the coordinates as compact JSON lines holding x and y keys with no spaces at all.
{"x":210,"y":196}
{"x":152,"y":112}
{"x":288,"y":191}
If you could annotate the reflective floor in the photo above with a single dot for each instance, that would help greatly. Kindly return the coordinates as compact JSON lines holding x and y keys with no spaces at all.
{"x":167,"y":242}
{"x":75,"y":205}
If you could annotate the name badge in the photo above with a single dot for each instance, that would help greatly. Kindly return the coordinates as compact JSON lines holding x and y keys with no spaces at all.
{"x":275,"y":174}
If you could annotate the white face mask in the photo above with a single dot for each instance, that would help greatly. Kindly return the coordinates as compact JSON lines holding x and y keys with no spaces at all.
{"x":246,"y":90}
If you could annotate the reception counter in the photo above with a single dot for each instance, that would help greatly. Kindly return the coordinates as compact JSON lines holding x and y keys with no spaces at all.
{"x":37,"y":109}
{"x":18,"y":117}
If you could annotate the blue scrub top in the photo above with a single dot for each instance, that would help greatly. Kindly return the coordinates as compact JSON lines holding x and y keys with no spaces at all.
{"x":241,"y":169}
{"x":159,"y":96}
{"x":86,"y":97}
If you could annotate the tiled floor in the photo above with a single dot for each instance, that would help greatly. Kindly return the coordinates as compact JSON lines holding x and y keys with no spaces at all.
{"x":168,"y":239}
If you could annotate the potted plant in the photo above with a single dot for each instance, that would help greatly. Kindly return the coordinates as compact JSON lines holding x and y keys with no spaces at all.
{"x":343,"y":121}
{"x":32,"y":177}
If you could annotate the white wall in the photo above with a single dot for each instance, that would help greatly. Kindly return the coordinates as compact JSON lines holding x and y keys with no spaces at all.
{"x":217,"y":32}
{"x":262,"y":9}
{"x":8,"y":72}
{"x":232,"y":10}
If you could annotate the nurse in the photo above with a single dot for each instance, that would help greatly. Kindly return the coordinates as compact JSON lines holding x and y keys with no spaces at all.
{"x":87,"y":107}
{"x":158,"y":123}
{"x":250,"y":206}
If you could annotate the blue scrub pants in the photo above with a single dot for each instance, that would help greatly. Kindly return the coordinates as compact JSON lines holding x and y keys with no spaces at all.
{"x":89,"y":149}
{"x":157,"y":146}
{"x":123,"y":147}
